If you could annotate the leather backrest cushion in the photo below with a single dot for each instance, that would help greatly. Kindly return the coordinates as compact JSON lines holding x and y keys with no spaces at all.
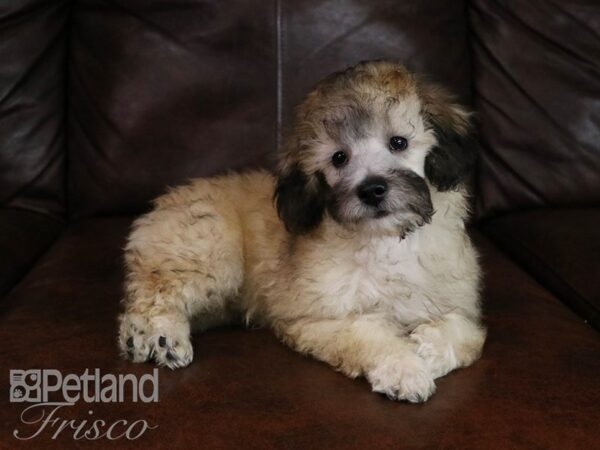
{"x":162,"y":91}
{"x":537,"y":82}
{"x":32,"y":102}
{"x":320,"y":37}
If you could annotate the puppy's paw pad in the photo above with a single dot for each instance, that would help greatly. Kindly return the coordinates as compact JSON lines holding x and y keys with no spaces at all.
{"x":173,"y":351}
{"x":134,"y":338}
{"x":405,"y":378}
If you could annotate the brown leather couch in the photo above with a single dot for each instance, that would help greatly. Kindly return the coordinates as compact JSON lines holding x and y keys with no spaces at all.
{"x":103,"y":103}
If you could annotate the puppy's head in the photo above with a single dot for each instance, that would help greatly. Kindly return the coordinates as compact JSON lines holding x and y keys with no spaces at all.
{"x":362,"y":144}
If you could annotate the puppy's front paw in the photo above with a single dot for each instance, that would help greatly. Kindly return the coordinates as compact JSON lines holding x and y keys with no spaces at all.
{"x":449,"y":344}
{"x":436,"y":351}
{"x":402,"y":378}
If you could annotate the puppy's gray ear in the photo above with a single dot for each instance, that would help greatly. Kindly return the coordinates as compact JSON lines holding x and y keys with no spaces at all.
{"x":451,"y":161}
{"x":300,"y":200}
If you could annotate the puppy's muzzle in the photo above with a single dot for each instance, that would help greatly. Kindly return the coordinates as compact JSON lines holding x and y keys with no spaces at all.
{"x":417,"y":196}
{"x":372,"y":191}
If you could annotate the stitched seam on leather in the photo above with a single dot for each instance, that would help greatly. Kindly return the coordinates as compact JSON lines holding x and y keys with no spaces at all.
{"x":520,"y":247}
{"x":279,"y":68}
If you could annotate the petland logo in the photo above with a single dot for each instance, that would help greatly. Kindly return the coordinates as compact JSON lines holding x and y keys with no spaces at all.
{"x":36,"y":386}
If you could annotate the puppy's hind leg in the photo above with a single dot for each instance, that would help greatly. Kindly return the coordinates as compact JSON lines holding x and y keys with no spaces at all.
{"x":174,"y":280}
{"x":160,"y":334}
{"x":156,"y":322}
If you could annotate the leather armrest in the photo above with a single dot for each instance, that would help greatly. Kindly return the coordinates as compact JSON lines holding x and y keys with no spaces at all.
{"x":560,"y":248}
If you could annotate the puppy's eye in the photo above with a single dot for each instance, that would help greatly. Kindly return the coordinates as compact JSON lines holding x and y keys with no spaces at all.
{"x":398,"y":143}
{"x":339,"y":158}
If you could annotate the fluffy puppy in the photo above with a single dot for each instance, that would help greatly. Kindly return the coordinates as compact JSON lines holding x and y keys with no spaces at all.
{"x":355,"y":252}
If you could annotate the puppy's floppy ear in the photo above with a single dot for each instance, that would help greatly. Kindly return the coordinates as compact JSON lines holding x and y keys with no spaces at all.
{"x":300,"y":200}
{"x":453,"y":158}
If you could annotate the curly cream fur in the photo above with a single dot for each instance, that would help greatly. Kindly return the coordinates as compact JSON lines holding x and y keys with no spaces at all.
{"x":399,"y":311}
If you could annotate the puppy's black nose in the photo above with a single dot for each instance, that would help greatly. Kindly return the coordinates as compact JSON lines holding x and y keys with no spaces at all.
{"x":372,"y":191}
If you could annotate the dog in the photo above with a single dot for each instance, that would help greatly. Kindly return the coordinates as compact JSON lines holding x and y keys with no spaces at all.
{"x":355,"y":252}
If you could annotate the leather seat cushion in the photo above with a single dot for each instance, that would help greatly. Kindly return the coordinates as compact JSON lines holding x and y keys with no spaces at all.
{"x":536,"y":384}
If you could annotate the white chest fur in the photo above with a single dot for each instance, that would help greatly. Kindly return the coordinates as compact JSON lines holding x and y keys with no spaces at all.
{"x":381,"y":275}
{"x":408,"y":280}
